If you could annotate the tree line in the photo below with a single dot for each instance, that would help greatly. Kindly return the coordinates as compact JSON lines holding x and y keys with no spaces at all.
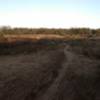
{"x":72,"y":31}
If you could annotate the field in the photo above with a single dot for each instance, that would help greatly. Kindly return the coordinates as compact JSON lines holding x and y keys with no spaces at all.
{"x":49,"y":67}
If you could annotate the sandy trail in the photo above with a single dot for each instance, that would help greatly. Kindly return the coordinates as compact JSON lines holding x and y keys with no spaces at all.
{"x":54,"y":88}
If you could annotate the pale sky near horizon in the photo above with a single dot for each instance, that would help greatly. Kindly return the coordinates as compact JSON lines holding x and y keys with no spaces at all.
{"x":50,"y":13}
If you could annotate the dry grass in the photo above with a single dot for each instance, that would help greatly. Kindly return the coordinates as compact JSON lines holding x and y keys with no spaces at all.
{"x":49,"y":74}
{"x":35,"y":37}
{"x":32,"y":37}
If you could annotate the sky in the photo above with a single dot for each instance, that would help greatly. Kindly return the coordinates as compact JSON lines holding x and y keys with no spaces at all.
{"x":50,"y":13}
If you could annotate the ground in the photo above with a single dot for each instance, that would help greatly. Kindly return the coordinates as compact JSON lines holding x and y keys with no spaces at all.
{"x":51,"y":74}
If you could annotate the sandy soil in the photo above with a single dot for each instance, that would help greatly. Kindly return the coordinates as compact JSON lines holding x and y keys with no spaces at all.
{"x":49,"y":75}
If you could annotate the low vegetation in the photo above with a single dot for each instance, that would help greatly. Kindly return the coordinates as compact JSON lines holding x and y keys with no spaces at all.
{"x":73,"y":33}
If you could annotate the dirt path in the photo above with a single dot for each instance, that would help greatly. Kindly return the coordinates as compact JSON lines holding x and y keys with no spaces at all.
{"x":54,"y":88}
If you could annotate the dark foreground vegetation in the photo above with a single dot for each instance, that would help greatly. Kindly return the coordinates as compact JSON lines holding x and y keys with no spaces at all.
{"x":87,"y":47}
{"x":50,"y":69}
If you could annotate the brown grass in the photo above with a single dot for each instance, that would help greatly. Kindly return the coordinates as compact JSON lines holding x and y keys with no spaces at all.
{"x":49,"y":74}
{"x":34,"y":37}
